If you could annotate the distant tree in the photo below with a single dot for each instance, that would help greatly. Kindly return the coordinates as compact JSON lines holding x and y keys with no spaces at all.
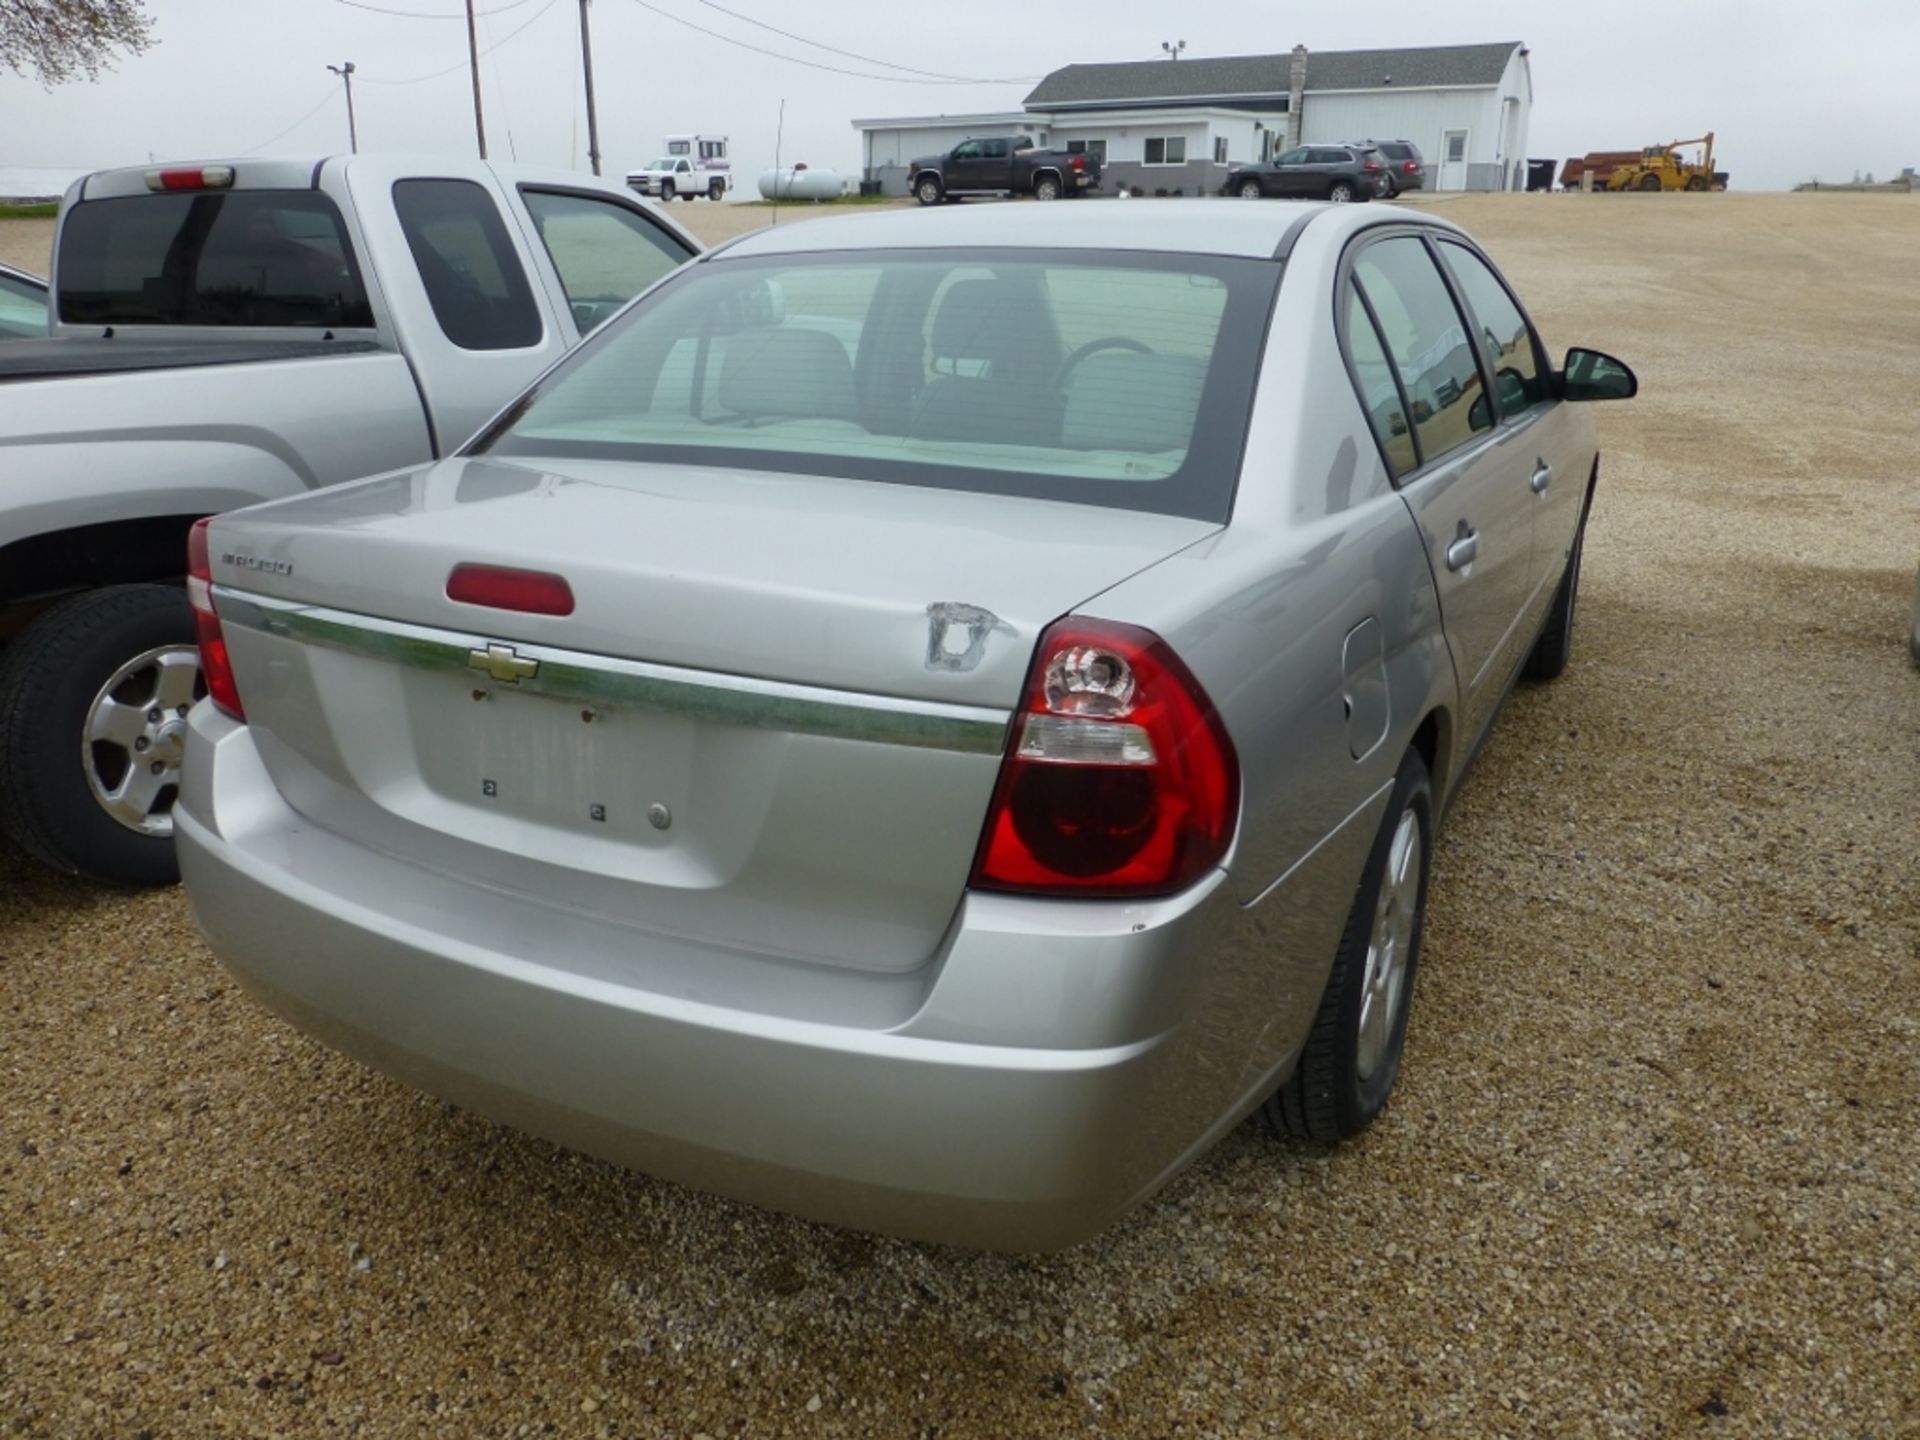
{"x":60,"y":40}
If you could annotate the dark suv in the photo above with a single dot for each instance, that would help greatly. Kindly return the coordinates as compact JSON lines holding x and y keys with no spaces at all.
{"x":1313,"y":172}
{"x":1406,"y":167}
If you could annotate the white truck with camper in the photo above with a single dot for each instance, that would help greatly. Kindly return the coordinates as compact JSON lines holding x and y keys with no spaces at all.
{"x":694,"y":165}
{"x":226,"y":333}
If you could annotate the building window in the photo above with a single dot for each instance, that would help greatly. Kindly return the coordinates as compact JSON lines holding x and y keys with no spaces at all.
{"x":1167,"y":150}
{"x":1095,"y":148}
{"x":1219,"y":149}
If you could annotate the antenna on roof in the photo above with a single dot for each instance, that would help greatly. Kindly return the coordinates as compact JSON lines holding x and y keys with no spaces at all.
{"x":1173,"y":48}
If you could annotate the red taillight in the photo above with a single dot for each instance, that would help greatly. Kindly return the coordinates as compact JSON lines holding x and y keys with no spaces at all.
{"x":1410,"y":167}
{"x":1371,"y":165}
{"x":1079,"y":162}
{"x":1120,"y":779}
{"x":534,"y":592}
{"x":215,"y":665}
{"x":194,"y":177}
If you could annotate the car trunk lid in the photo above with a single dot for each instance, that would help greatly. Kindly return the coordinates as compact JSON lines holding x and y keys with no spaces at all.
{"x":771,"y":721}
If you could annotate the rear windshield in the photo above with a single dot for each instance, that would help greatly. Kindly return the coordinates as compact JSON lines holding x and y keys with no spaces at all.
{"x":230,"y":257}
{"x":1101,"y":378}
{"x":1395,"y":151}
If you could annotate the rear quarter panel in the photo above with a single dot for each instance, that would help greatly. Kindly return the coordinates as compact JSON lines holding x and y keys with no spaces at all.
{"x":1319,"y":543}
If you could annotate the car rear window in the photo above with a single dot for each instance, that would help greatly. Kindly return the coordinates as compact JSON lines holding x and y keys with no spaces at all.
{"x":1112,"y":379}
{"x":233,"y":257}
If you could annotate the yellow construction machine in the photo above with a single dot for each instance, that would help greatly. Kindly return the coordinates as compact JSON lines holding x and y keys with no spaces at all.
{"x":1660,"y":167}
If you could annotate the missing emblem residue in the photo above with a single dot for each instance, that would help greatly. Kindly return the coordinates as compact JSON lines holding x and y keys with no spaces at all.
{"x":957,"y":635}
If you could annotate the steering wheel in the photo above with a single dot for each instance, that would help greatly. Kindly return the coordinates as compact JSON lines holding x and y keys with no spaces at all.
{"x":1094,"y":347}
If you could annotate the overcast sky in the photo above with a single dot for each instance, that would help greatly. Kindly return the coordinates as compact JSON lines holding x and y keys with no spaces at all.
{"x":1794,"y":90}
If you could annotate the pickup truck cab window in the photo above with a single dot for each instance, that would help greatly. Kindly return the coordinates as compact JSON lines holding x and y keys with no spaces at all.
{"x":604,"y":252}
{"x":994,"y":149}
{"x":968,"y":150}
{"x":23,"y":309}
{"x":232,"y":257}
{"x":474,"y":281}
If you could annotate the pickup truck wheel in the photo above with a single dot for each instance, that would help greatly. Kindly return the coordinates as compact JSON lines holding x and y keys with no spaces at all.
{"x":666,"y":192}
{"x":716,"y":189}
{"x":1340,"y":192}
{"x":1047,"y":187}
{"x":928,"y":190}
{"x":1352,"y":1056}
{"x":93,"y":703}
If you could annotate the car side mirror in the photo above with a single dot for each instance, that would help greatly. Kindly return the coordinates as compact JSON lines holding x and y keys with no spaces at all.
{"x":1591,"y":375}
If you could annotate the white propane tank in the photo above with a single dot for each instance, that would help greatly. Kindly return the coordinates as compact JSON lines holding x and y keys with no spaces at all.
{"x":799,"y":183}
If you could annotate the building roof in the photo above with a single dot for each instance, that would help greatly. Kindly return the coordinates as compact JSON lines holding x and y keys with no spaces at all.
{"x":1246,"y":76}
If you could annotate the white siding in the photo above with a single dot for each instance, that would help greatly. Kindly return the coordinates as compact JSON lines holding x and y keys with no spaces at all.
{"x":1422,"y":116}
{"x":898,"y":146}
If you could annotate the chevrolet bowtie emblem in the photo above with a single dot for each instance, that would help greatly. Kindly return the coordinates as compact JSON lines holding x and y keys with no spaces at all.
{"x":503,"y":663}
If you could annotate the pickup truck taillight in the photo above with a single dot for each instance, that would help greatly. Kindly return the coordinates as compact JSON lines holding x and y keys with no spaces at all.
{"x":1120,"y":780}
{"x":1079,"y":162}
{"x":214,"y":663}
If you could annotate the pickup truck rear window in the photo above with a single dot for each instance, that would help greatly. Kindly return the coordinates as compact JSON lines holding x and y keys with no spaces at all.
{"x":235,"y":257}
{"x":1108,"y":378}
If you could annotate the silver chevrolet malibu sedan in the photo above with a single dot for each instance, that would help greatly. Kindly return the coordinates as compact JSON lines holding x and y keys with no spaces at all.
{"x":924,"y":721}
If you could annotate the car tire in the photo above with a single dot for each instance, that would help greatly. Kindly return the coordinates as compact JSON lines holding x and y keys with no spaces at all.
{"x":716,"y":190}
{"x":928,"y":190}
{"x":1340,"y":192}
{"x":666,"y":191}
{"x":55,"y":685}
{"x":1351,"y":1059}
{"x":1250,"y":190}
{"x":1554,"y":647}
{"x":1046,"y":187}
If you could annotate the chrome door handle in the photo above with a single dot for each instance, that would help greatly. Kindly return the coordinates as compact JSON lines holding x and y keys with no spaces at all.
{"x":1542,"y":475}
{"x":1465,"y":546}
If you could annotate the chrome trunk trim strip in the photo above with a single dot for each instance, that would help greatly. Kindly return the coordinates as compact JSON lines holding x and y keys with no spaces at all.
{"x":606,"y":680}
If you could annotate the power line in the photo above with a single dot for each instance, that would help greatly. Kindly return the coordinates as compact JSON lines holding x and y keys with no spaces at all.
{"x":795,"y":59}
{"x":424,"y":15}
{"x":866,"y":59}
{"x":296,"y":124}
{"x":463,"y":65}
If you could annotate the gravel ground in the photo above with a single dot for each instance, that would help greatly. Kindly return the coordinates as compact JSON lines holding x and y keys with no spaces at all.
{"x":1651,"y":1171}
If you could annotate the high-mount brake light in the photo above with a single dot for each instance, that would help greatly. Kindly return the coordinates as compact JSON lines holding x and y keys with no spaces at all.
{"x":191,"y":177}
{"x":1120,"y":779}
{"x":500,"y":587}
{"x":215,"y":664}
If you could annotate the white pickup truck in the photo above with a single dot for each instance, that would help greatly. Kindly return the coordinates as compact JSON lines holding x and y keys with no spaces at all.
{"x":693,"y":165}
{"x":230,"y":332}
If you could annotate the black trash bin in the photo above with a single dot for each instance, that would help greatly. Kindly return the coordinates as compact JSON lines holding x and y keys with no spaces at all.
{"x":1539,"y":174}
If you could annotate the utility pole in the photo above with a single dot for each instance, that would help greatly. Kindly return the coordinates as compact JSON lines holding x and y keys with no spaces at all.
{"x":586,"y":59}
{"x":345,"y":72}
{"x":1173,"y":48}
{"x":473,"y":58}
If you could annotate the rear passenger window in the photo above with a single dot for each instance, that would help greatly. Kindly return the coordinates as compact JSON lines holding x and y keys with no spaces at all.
{"x":1518,"y":376}
{"x":474,"y":281}
{"x":1427,"y":342}
{"x":1379,"y":395}
{"x":604,"y":252}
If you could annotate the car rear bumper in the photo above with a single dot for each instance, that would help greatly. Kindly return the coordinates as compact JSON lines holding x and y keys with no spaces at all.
{"x":1048,"y":1073}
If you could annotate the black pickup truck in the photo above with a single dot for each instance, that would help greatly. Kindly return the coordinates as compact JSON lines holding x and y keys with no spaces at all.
{"x":1002,"y":165}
